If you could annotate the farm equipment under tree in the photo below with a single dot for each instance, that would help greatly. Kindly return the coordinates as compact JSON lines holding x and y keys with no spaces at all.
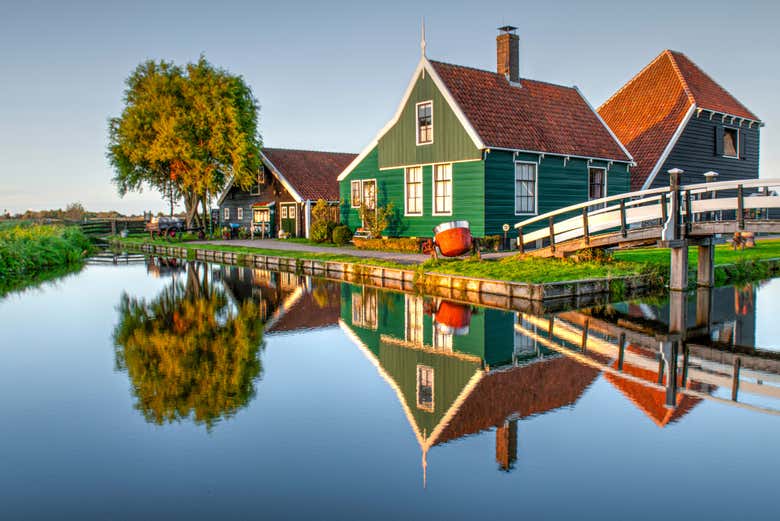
{"x":169,"y":227}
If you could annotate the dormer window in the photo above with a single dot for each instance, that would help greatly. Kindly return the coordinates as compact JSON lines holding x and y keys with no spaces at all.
{"x":425,"y":123}
{"x":730,"y":142}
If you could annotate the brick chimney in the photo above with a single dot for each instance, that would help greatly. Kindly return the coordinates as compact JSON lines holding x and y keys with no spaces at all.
{"x":508,"y":53}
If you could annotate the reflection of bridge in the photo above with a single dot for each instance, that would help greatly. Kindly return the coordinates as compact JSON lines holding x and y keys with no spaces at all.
{"x":646,"y":354}
{"x":672,"y":217}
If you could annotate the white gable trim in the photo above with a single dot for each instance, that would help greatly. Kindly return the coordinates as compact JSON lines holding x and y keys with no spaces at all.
{"x":276,"y":173}
{"x":604,"y":123}
{"x":422,"y":65}
{"x":669,"y":147}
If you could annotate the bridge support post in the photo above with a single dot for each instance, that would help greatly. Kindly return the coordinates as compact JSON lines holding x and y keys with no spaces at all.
{"x":705,"y":275}
{"x":678,"y":278}
{"x":704,"y":308}
{"x":669,"y":352}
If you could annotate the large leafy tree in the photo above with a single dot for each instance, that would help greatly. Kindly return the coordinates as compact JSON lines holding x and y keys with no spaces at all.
{"x":185,"y":131}
{"x":189,"y":353}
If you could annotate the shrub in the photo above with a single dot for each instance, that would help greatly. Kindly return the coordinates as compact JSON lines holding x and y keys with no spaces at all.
{"x":319,"y":231}
{"x":341,"y":235}
{"x":492,"y":242}
{"x":399,"y":244}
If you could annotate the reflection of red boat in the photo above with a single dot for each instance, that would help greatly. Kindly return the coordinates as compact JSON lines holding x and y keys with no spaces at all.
{"x":453,"y":238}
{"x":452,"y":318}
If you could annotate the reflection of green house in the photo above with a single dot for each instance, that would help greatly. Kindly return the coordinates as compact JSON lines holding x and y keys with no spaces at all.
{"x":455,"y":385}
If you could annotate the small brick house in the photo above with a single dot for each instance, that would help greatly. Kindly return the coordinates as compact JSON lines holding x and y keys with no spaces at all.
{"x":288,"y":184}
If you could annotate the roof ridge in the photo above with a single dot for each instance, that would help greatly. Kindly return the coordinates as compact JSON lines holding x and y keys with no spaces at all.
{"x":634,"y":78}
{"x":704,"y":73}
{"x":687,"y":88}
{"x":308,"y":150}
{"x":499,"y":75}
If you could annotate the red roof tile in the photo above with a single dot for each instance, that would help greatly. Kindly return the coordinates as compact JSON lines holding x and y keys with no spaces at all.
{"x":312,"y":174}
{"x":536,"y":116}
{"x":646,"y":111}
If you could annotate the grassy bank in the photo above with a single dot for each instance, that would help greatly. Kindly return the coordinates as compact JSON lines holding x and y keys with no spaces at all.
{"x":29,"y":251}
{"x":511,"y":269}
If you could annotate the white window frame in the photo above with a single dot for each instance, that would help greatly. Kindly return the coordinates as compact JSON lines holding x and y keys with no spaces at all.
{"x":736,"y":143}
{"x":362,"y":191}
{"x":417,"y":123}
{"x":283,"y":213}
{"x":433,"y":189}
{"x":414,"y":319}
{"x":441,"y":340}
{"x":536,"y":187}
{"x":352,"y":185}
{"x":226,"y":213}
{"x":239,"y":214}
{"x":604,"y":189}
{"x":421,"y":195}
{"x":432,"y":373}
{"x":291,"y":211}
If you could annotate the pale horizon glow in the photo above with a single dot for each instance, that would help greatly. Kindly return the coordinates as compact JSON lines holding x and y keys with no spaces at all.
{"x":328,"y":76}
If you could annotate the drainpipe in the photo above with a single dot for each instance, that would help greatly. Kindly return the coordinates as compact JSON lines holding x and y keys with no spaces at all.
{"x":308,"y":217}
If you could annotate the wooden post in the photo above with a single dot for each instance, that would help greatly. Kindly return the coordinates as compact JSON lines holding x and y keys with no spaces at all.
{"x":741,"y":207}
{"x":584,"y":340}
{"x":678,"y":279}
{"x":705,"y":274}
{"x":585,"y":228}
{"x":664,"y":210}
{"x":735,"y":378}
{"x":520,"y":245}
{"x":623,"y":228}
{"x":688,"y":214}
{"x":552,"y":234}
{"x":622,"y":352}
{"x":686,"y":352}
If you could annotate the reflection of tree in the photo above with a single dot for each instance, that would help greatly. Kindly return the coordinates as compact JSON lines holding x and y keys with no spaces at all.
{"x":189,"y":352}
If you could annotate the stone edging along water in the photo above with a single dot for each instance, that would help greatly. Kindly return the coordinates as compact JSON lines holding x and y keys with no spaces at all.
{"x":485,"y":291}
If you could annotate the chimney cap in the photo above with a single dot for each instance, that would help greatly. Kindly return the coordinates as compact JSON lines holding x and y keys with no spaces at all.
{"x":507,"y":28}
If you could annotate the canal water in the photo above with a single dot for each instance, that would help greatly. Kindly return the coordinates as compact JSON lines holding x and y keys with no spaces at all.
{"x":174,"y":389}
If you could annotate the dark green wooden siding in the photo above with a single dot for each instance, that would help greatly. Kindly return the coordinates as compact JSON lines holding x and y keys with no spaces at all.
{"x":468,"y":192}
{"x":558,"y":185}
{"x":398,"y":147}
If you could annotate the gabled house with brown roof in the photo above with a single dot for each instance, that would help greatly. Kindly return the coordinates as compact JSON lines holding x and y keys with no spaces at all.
{"x":288,"y":184}
{"x":488,"y":147}
{"x":673,"y":115}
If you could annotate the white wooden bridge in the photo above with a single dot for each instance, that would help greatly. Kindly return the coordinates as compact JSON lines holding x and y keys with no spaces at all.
{"x":674,"y":217}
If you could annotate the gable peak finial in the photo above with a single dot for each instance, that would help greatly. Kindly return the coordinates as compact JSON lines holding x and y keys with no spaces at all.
{"x":422,"y":39}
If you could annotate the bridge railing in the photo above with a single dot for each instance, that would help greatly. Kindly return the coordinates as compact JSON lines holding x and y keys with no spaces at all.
{"x":632,"y":209}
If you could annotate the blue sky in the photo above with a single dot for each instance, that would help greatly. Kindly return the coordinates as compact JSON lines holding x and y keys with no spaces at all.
{"x":328,"y":75}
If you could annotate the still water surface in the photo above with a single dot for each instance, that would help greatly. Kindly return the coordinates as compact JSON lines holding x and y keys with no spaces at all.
{"x":193,"y":390}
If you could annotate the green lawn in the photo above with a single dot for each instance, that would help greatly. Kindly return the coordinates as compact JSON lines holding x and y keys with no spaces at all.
{"x":646,"y":261}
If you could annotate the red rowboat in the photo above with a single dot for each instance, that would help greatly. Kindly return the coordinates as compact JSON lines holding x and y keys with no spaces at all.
{"x":452,"y":318}
{"x":453,"y":238}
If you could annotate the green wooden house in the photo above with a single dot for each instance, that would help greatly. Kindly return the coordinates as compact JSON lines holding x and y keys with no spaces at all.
{"x":454,"y":385}
{"x":488,"y":147}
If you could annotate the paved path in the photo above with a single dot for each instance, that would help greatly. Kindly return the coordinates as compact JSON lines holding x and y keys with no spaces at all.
{"x":275,"y":244}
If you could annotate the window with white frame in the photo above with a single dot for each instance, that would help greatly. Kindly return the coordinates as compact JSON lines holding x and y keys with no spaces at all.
{"x":413,"y":322}
{"x":291,"y":212}
{"x":525,"y":346}
{"x":369,"y":194}
{"x":425,"y":123}
{"x":356,"y":194}
{"x":425,"y":396}
{"x":364,"y":308}
{"x":442,"y":189}
{"x":240,"y":214}
{"x":442,"y":339}
{"x":525,"y":188}
{"x":259,"y":182}
{"x":730,"y":142}
{"x":226,"y":214}
{"x":414,"y":191}
{"x":597,"y":183}
{"x":284,"y":211}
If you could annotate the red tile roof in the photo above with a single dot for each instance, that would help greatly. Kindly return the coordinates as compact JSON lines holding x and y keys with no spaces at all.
{"x":521,"y":392}
{"x":646,"y":111}
{"x":312,"y":174}
{"x":536,"y":116}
